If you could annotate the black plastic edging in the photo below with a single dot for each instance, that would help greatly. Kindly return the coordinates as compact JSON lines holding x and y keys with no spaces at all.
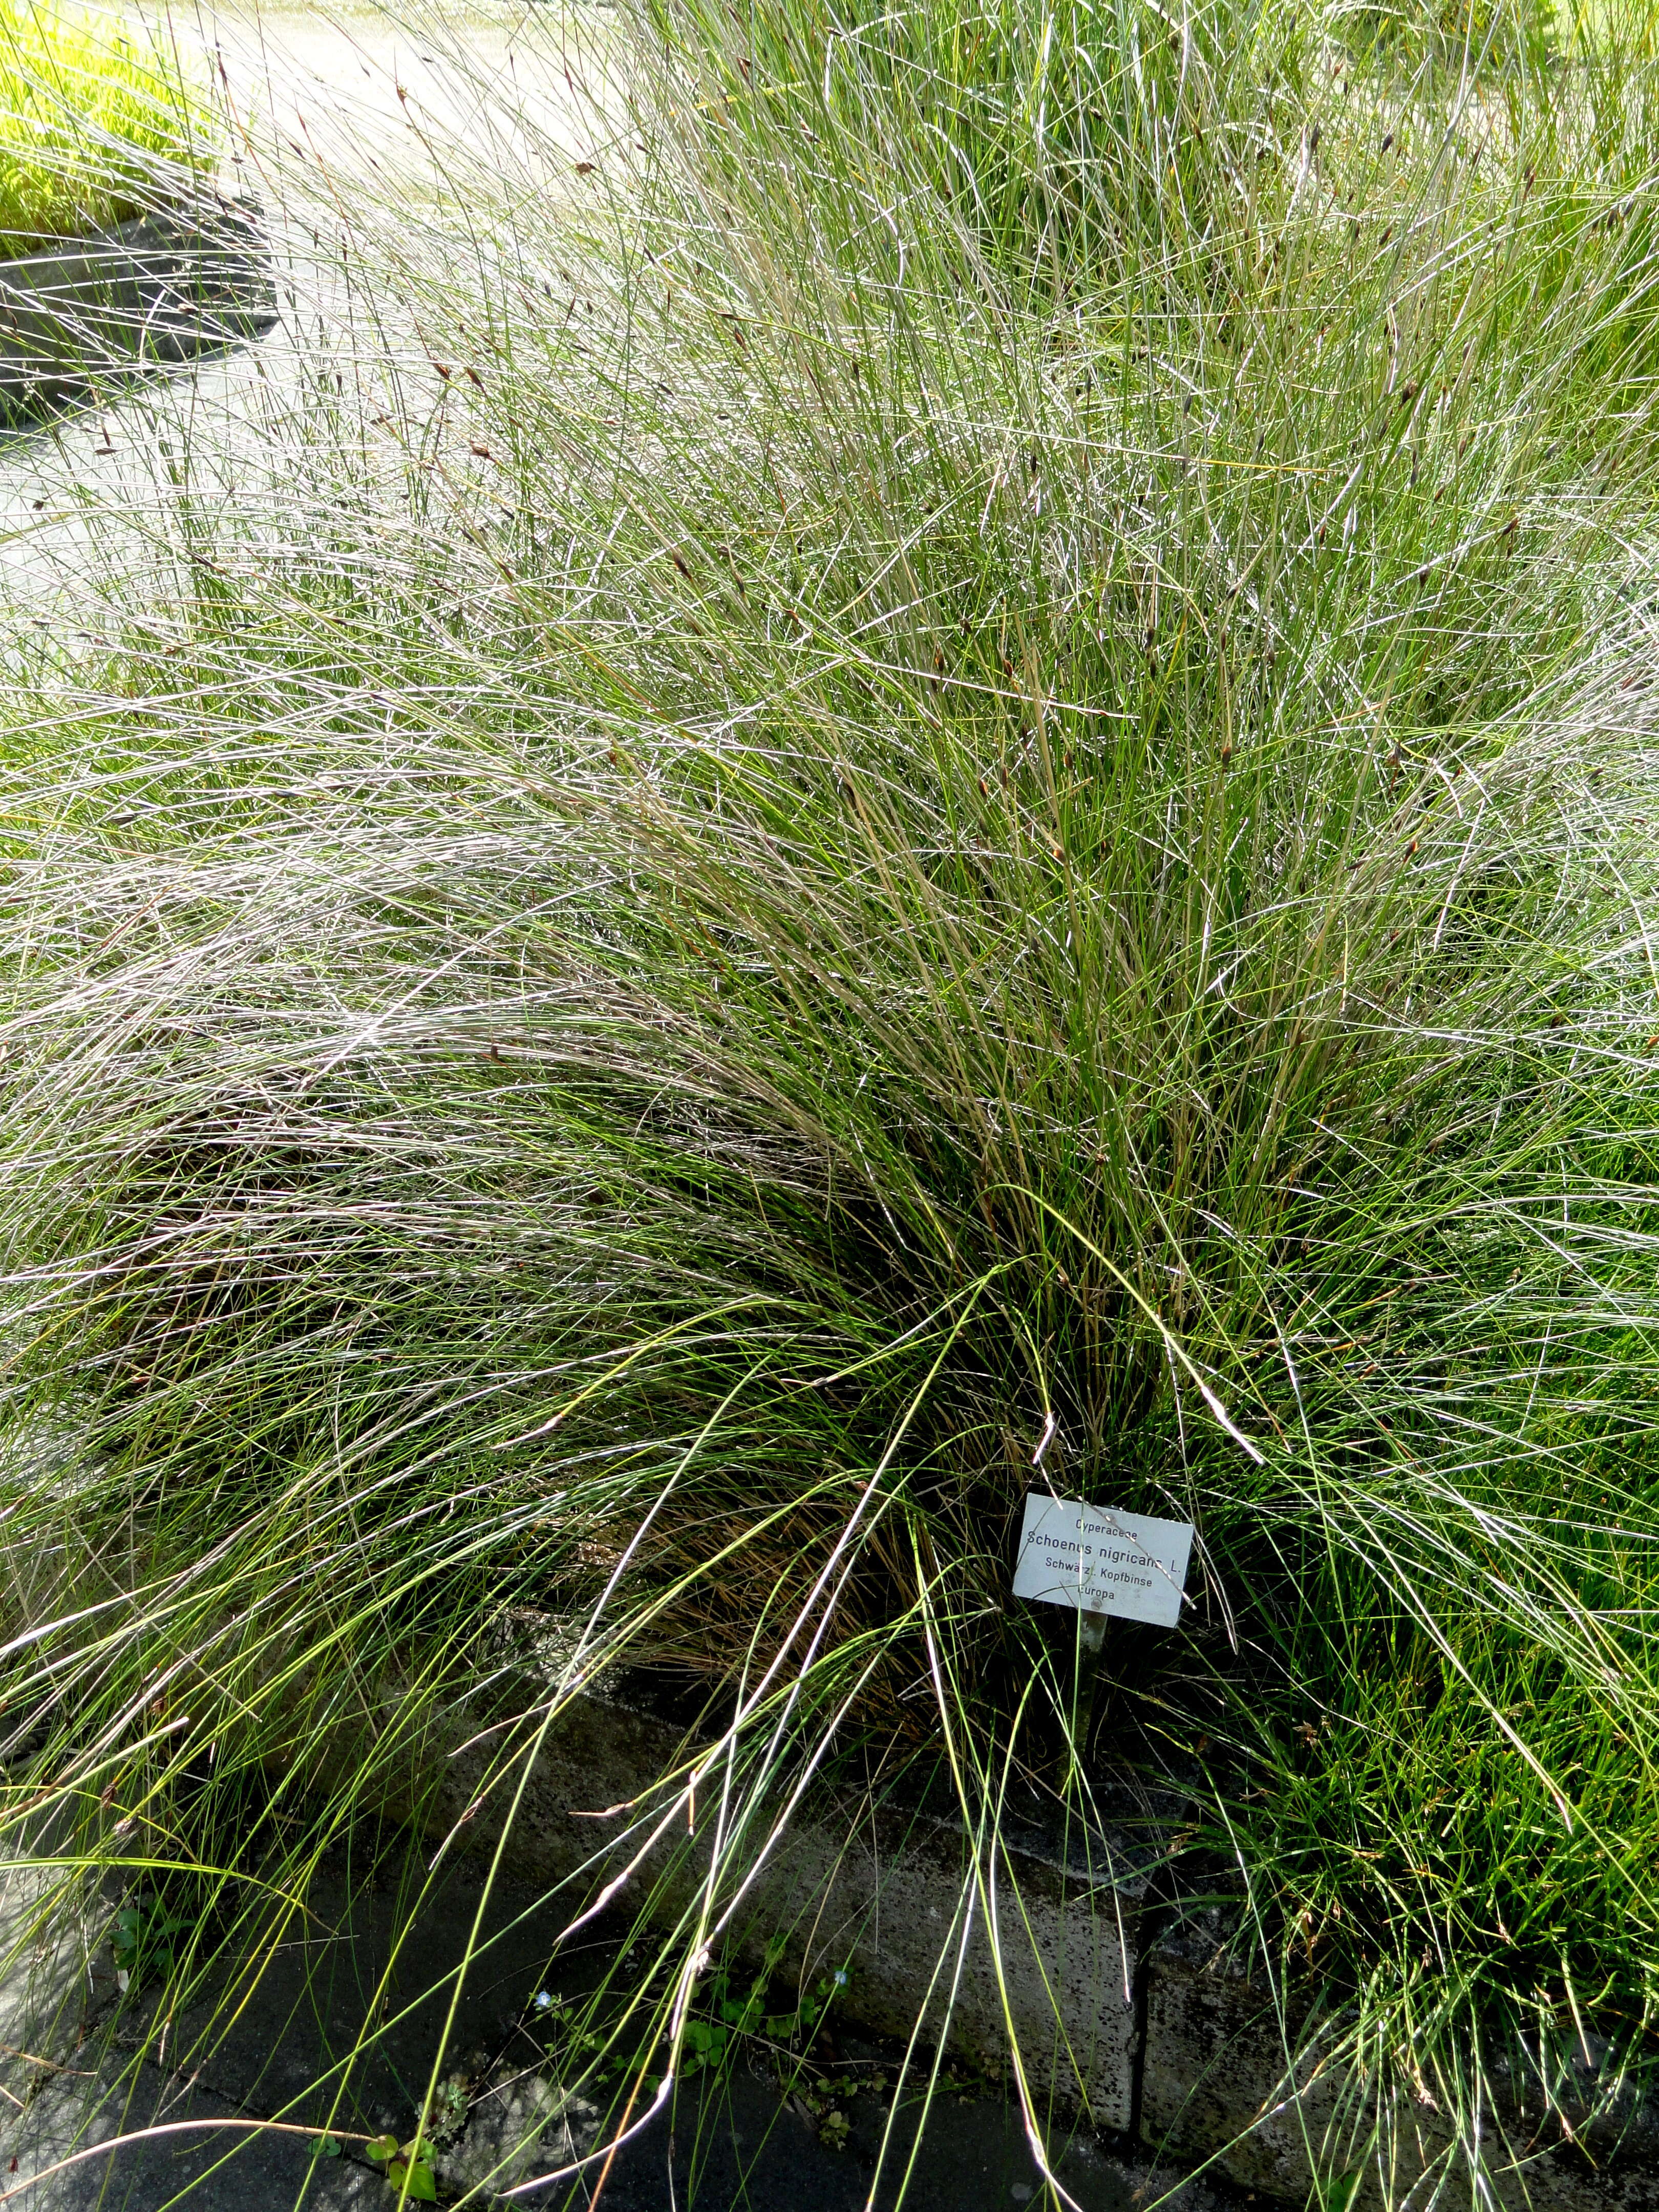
{"x":188,"y":278}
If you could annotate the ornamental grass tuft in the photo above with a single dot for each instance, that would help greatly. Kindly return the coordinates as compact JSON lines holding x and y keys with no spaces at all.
{"x":957,"y":750}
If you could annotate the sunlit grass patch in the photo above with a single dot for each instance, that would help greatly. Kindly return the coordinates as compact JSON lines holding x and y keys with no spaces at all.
{"x":97,"y":113}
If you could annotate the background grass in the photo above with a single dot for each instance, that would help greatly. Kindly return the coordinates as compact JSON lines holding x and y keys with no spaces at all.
{"x":962,"y":745}
{"x":97,"y":117}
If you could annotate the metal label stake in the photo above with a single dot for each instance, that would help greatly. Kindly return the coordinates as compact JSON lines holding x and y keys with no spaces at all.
{"x":1106,"y":1565}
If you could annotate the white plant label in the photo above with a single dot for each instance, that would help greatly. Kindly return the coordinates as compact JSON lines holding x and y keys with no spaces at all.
{"x":1100,"y":1561}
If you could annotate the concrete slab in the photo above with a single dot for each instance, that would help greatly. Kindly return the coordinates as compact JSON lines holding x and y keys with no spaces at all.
{"x":46,"y":1951}
{"x":204,"y":2151}
{"x":731,"y":2140}
{"x":1229,"y":2078}
{"x":872,"y":1888}
{"x":343,"y":2025}
{"x":742,"y":2147}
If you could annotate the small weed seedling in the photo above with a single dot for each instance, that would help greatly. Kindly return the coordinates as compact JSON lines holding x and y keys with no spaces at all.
{"x":727,"y":2017}
{"x":408,"y":2166}
{"x":141,"y":1940}
{"x":711,"y":2038}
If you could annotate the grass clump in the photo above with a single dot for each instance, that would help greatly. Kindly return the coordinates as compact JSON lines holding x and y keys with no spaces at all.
{"x":847,"y":823}
{"x":97,"y":120}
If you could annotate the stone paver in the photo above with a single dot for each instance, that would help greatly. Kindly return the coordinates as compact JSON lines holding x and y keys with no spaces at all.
{"x":296,"y":2050}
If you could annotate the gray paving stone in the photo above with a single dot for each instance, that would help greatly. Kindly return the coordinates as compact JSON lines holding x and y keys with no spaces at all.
{"x":215,"y":2168}
{"x":1226,"y":2079}
{"x":872,"y":1889}
{"x":732,"y":2144}
{"x":744,"y":2152}
{"x":345,"y":2025}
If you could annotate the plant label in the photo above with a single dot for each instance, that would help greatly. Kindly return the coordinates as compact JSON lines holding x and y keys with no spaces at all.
{"x":1100,"y":1561}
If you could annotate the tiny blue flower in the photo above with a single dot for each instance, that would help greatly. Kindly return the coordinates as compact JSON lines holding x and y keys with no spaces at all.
{"x":544,"y":2000}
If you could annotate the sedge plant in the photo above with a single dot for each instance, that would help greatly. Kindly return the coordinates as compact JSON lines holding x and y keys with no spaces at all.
{"x":937,"y":779}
